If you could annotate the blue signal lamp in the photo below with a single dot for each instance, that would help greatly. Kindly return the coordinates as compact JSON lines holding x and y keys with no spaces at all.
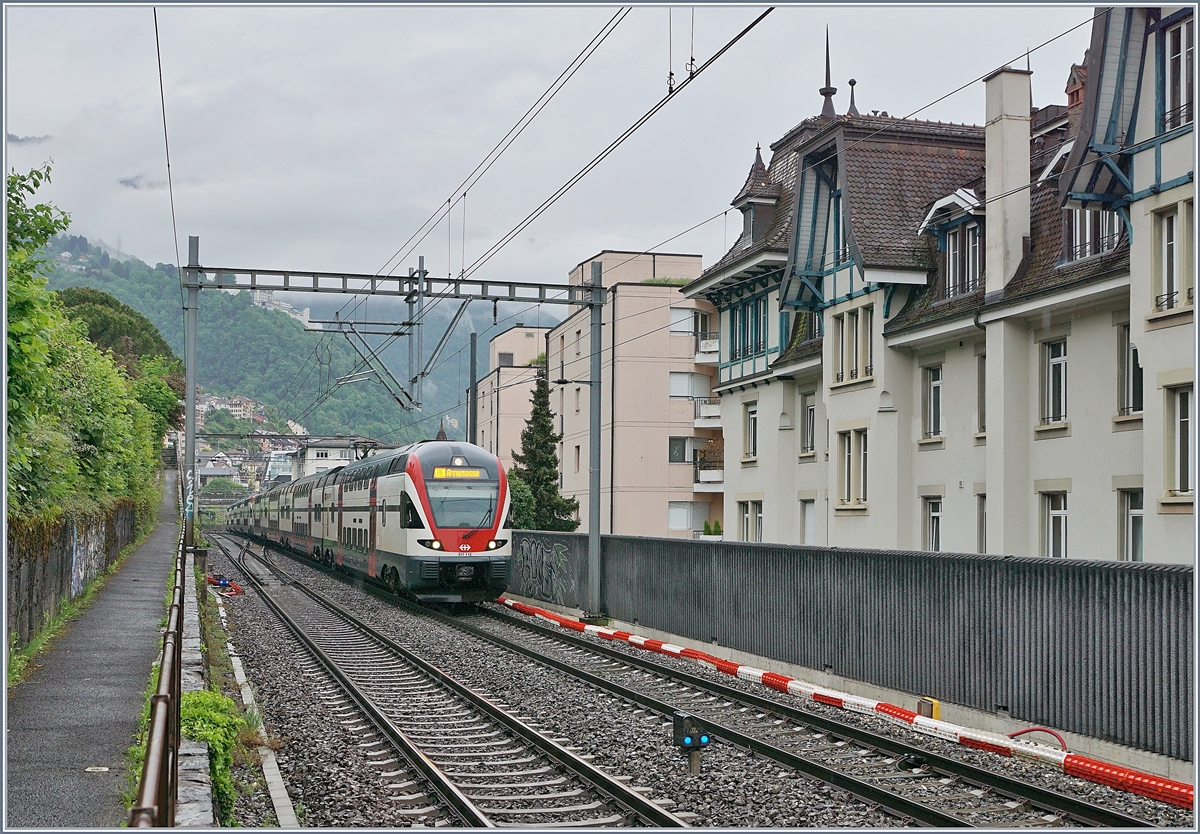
{"x":688,"y":732}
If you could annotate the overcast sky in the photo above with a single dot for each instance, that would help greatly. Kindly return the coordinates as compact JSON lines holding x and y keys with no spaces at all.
{"x":322,"y":137}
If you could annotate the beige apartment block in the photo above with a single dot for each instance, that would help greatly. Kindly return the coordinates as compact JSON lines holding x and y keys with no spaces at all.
{"x":658,"y":412}
{"x":504,"y":394}
{"x":973,"y":338}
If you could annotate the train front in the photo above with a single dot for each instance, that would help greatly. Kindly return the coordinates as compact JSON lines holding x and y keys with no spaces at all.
{"x":464,"y":493}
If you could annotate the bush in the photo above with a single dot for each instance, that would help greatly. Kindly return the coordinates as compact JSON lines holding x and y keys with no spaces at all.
{"x":707,"y":527}
{"x":716,"y":528}
{"x":213,"y":718}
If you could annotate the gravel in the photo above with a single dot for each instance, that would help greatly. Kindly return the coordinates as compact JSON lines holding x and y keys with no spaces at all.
{"x":334,"y":786}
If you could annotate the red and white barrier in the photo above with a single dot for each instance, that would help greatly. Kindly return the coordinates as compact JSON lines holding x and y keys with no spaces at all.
{"x":1115,"y":776}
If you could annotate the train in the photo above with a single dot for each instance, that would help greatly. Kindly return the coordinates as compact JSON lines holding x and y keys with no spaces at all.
{"x":431,"y":520}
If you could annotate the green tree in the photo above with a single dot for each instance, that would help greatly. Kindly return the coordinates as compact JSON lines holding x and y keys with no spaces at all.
{"x":224,"y":486}
{"x":536,"y":465}
{"x":114,"y":325}
{"x":522,"y":504}
{"x":35,"y":440}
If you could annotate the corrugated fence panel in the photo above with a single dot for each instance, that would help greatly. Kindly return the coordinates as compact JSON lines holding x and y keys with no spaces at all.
{"x":1098,"y":648}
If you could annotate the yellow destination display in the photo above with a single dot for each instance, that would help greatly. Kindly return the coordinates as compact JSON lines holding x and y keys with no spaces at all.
{"x":443,"y":472}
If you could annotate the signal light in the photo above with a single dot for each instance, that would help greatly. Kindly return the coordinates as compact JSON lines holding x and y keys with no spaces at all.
{"x":688,"y":733}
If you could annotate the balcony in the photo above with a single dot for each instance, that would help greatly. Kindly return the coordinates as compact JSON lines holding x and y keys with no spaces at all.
{"x":708,"y":348}
{"x":708,"y":467}
{"x":707,"y":413}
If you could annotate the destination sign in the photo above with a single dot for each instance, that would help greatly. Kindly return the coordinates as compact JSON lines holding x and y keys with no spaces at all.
{"x":443,"y":472}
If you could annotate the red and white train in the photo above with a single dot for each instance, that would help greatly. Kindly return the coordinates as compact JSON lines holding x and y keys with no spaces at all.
{"x":431,"y":520}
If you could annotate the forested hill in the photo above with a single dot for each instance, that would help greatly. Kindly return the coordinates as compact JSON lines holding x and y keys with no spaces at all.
{"x":268,"y":356}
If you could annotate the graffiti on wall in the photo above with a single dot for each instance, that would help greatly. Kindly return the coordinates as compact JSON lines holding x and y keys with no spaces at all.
{"x":544,"y":570}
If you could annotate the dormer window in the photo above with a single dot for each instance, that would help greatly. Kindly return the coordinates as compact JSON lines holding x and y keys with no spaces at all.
{"x":748,"y":221}
{"x":1088,"y":232}
{"x":963,"y":260}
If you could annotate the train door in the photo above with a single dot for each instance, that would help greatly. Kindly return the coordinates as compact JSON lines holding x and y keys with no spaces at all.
{"x":371,"y":527}
{"x":340,"y":525}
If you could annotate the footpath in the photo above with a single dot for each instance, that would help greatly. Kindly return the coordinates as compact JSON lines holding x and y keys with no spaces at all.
{"x":72,"y":721}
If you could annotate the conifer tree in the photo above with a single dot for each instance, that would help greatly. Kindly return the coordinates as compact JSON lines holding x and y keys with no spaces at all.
{"x":537,"y":463}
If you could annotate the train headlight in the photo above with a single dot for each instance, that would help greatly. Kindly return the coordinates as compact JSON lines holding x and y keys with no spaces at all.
{"x":432,"y":544}
{"x":492,"y":545}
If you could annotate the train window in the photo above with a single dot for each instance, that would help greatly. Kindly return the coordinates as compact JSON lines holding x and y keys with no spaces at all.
{"x":409,"y":518}
{"x":398,"y":464}
{"x":383,"y":513}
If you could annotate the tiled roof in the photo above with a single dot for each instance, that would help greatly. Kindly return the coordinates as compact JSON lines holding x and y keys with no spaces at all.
{"x":798,"y":348}
{"x":890,"y":184}
{"x":781,"y":173}
{"x":758,"y":182}
{"x":1037,"y":274}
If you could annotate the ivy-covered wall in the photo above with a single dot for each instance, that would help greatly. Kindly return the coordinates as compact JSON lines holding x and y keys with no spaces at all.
{"x":50,"y":562}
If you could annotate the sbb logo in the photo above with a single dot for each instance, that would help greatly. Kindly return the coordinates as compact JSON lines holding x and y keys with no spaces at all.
{"x":464,"y":547}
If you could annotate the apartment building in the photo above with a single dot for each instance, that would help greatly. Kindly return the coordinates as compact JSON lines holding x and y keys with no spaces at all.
{"x":949,"y":337}
{"x":503,"y":395}
{"x":658,"y":412}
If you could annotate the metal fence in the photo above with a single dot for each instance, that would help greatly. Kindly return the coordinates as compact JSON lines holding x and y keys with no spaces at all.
{"x":1098,"y":648}
{"x":157,"y":788}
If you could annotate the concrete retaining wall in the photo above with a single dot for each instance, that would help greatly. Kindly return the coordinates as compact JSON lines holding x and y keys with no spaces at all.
{"x":51,"y":562}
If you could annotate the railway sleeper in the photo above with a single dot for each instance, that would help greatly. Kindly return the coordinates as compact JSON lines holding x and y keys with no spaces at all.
{"x":547,"y":811}
{"x":557,"y":780}
{"x":526,"y":797}
{"x":597,"y":822}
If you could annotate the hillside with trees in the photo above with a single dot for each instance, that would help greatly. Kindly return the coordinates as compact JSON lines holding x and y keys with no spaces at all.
{"x":269,"y":357}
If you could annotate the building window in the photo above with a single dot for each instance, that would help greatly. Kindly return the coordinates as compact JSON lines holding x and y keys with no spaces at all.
{"x":852,"y":345}
{"x":1054,"y":511}
{"x":1173,"y":284}
{"x":750,"y":520}
{"x":932,"y":401}
{"x":861,"y":437}
{"x":577,"y":458}
{"x":684,"y":384}
{"x":981,"y":393}
{"x":933,"y":524}
{"x":808,"y":423}
{"x":868,"y":351}
{"x":686,"y":515}
{"x":839,"y":351}
{"x":1130,"y":388}
{"x":322,"y":453}
{"x":981,"y":523}
{"x":1131,"y":527}
{"x":505,"y":360}
{"x":1180,"y":409}
{"x":808,"y":521}
{"x":1054,"y":389}
{"x":677,"y":449}
{"x":1089,"y":232}
{"x":852,"y":467}
{"x":578,"y":342}
{"x":750,"y":441}
{"x":682,"y":320}
{"x":577,"y":398}
{"x":962,"y":260}
{"x":562,"y":353}
{"x":1178,"y":76}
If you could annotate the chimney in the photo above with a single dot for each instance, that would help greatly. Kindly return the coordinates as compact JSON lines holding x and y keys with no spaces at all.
{"x":1007,"y":157}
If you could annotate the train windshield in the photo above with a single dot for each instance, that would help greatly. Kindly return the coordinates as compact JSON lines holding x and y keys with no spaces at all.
{"x":463,"y":505}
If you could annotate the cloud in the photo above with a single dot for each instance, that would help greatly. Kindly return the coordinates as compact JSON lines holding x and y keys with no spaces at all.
{"x":138,"y":184}
{"x":27,"y":140}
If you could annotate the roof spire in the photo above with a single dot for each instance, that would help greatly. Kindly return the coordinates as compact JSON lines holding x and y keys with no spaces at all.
{"x":441,"y":435}
{"x":853,"y":111}
{"x":827,"y":91}
{"x":758,"y":154}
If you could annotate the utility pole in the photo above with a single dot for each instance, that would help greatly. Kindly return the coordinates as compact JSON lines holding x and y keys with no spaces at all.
{"x":420,"y":325}
{"x":473,"y":398}
{"x":190,"y":359}
{"x":594,"y":391}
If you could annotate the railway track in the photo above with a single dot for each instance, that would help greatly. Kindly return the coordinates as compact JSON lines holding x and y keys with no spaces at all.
{"x":467,"y":759}
{"x":909,"y":782}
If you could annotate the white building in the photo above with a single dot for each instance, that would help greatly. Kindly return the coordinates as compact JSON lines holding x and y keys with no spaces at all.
{"x":503,"y":394}
{"x":913,"y":356}
{"x":322,"y":454}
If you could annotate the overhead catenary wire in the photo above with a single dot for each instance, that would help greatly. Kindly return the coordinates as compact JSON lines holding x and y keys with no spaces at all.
{"x":724,"y":213}
{"x":162,"y":97}
{"x":616,"y":143}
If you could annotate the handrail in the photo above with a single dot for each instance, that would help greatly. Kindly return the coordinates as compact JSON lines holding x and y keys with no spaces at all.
{"x":155,"y":803}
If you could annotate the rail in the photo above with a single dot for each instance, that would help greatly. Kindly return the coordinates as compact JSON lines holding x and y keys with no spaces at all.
{"x":155,"y":803}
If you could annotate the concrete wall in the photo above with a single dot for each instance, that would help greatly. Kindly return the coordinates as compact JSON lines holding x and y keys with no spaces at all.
{"x":49,"y":563}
